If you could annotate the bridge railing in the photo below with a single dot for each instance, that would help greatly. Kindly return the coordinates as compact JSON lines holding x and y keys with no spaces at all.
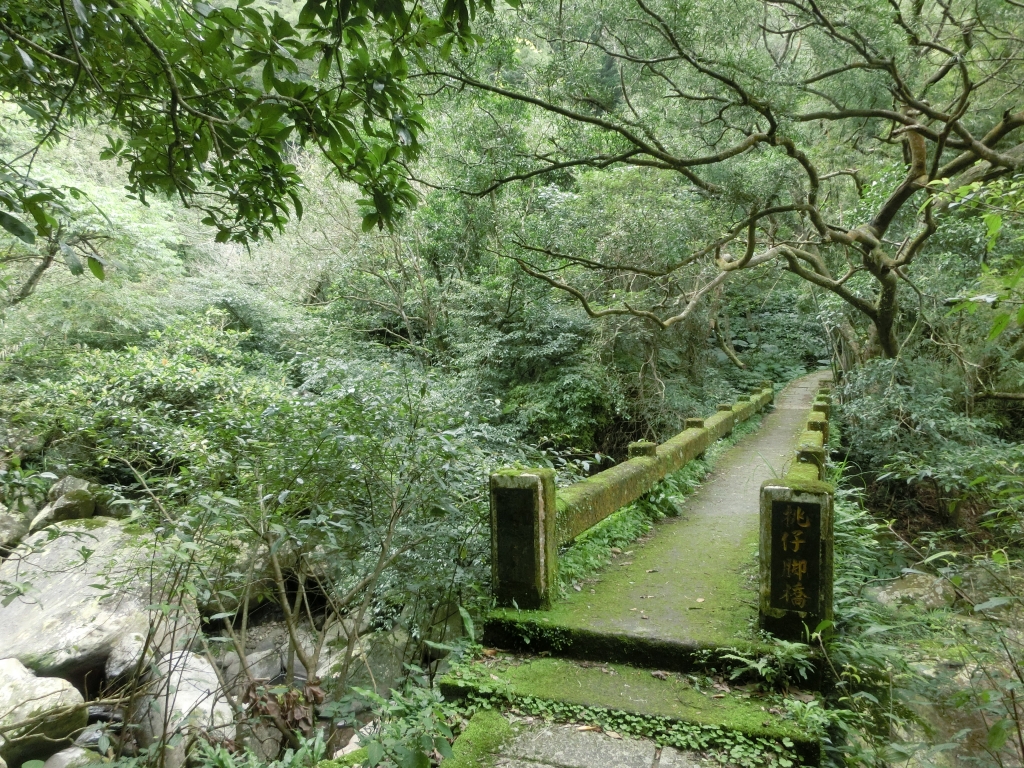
{"x":530,"y":519}
{"x":796,"y":565}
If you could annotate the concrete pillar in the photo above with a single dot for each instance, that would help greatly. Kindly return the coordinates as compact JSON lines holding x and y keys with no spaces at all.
{"x":643,"y":448}
{"x":795,"y":561}
{"x":524,"y":548}
{"x":694,"y":424}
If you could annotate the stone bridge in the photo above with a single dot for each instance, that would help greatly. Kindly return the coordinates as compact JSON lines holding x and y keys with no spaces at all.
{"x":649,"y":664}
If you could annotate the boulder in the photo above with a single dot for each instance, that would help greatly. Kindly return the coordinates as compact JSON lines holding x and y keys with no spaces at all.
{"x":14,"y":526}
{"x":89,"y":586}
{"x":185,"y":698}
{"x":125,"y":656}
{"x":72,"y":757}
{"x":928,"y":592}
{"x":78,"y":504}
{"x":66,"y":485}
{"x":24,"y":696}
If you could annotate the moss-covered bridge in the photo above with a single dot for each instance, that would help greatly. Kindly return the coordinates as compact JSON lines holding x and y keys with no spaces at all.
{"x":659,"y":643}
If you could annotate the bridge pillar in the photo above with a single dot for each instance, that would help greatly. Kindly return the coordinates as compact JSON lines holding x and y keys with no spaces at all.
{"x":796,"y":559}
{"x":524,"y":547}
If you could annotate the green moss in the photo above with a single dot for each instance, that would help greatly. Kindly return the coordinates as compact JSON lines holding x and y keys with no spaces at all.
{"x":486,"y":732}
{"x":358,"y":757}
{"x":671,"y":710}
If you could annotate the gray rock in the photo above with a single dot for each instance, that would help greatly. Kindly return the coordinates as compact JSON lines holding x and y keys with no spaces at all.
{"x":125,"y":656}
{"x":186,"y":698}
{"x":72,"y":757}
{"x":378,"y":660}
{"x":68,"y":623}
{"x":73,"y":505}
{"x":66,"y":485}
{"x":14,"y":526}
{"x":928,"y":592}
{"x":263,"y":665}
{"x":24,"y":696}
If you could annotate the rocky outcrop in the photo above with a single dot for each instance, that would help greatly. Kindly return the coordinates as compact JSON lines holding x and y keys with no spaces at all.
{"x":927,"y":592}
{"x":70,"y":498}
{"x":72,"y":757}
{"x":185,"y":699}
{"x":14,"y":526}
{"x":51,"y":709}
{"x":88,"y":588}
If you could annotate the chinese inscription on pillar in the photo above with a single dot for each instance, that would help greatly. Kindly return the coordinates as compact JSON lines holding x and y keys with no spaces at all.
{"x":796,"y":552}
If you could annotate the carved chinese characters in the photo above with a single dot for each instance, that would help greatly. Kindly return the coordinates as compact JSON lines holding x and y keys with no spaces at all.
{"x":796,"y":556}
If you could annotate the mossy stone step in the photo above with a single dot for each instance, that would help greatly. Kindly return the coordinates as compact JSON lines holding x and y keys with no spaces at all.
{"x":663,"y":706}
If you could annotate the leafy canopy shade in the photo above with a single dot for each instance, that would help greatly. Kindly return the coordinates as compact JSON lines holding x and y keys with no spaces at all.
{"x":205,"y":102}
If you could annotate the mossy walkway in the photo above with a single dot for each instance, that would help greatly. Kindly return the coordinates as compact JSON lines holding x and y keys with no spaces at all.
{"x":692,"y":585}
{"x":669,"y":605}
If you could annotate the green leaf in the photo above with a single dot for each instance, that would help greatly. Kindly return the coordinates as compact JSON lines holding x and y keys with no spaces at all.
{"x":467,"y":621}
{"x":72,"y":260}
{"x":17,"y":227}
{"x":999,"y":325}
{"x":998,"y":734}
{"x":32,"y":764}
{"x":80,"y":11}
{"x":992,"y":602}
{"x":994,"y":225}
{"x":374,"y":753}
{"x":96,"y":267}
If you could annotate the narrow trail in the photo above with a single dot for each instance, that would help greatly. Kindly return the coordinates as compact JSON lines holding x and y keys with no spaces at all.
{"x":694,"y":581}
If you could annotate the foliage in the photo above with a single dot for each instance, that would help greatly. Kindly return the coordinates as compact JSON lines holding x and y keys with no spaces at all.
{"x":413,"y":729}
{"x":206,"y":102}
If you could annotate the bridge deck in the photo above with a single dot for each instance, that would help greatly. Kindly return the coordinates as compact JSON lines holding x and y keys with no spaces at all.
{"x":693,"y":583}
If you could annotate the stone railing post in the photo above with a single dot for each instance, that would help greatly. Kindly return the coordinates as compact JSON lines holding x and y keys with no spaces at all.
{"x":524,"y":548}
{"x":796,"y":536}
{"x":796,"y":560}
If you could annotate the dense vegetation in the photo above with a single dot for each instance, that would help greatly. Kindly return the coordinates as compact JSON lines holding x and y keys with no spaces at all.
{"x":286,"y":281}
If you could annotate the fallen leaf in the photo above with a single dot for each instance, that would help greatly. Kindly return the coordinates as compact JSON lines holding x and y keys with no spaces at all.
{"x":628,"y":562}
{"x":652,"y":570}
{"x":588,"y":728}
{"x":774,"y":711}
{"x":490,"y":652}
{"x":644,"y":617}
{"x":613,"y":734}
{"x":616,"y":551}
{"x":659,"y":674}
{"x":700,"y":599}
{"x":632,"y":609}
{"x":718,"y":696}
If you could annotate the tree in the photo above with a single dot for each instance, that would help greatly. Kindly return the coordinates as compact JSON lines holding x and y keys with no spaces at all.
{"x":773,"y":116}
{"x":208,"y":102}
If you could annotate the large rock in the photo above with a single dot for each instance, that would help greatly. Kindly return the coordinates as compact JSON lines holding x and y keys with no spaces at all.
{"x":65,"y":485}
{"x":24,"y":696}
{"x":88,"y":586}
{"x":185,"y":698}
{"x":72,"y":757}
{"x":78,"y":504}
{"x":14,"y":525}
{"x":927,"y":592}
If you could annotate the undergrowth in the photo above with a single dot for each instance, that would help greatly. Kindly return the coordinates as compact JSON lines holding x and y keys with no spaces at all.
{"x":593,"y":549}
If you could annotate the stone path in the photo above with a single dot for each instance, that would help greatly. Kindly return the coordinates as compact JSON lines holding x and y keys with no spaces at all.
{"x":566,"y":746}
{"x":694,"y":583}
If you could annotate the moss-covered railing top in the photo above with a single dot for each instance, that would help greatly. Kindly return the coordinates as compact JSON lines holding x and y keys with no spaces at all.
{"x":530,"y":519}
{"x":588,"y":502}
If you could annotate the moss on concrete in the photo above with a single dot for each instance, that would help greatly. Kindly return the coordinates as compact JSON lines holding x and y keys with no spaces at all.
{"x":622,"y":688}
{"x":358,"y":757}
{"x":483,"y":736}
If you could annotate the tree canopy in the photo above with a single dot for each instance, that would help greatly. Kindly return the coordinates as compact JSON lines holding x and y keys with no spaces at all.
{"x":816,"y":135}
{"x":208,"y":101}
